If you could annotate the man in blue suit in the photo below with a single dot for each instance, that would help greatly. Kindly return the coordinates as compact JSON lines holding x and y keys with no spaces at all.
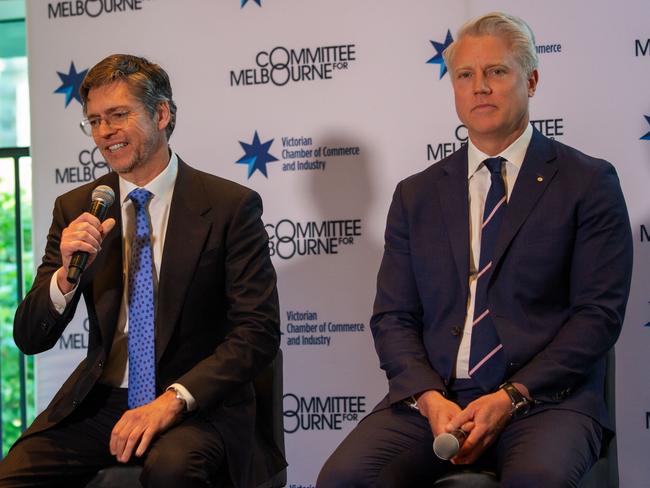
{"x":503,"y":285}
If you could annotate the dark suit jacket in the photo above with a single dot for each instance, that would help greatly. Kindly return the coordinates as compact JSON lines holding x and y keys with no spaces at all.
{"x":217,"y":318}
{"x":558,"y":289}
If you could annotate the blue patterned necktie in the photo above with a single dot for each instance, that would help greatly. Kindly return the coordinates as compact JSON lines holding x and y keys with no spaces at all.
{"x":142,"y":365}
{"x":486,"y":358}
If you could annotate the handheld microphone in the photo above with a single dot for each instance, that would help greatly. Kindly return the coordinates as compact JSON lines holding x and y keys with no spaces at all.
{"x":446,"y":445}
{"x":102,"y":198}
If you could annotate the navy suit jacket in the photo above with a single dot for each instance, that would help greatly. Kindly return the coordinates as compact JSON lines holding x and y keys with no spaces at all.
{"x":217,"y":318}
{"x":557,"y":294}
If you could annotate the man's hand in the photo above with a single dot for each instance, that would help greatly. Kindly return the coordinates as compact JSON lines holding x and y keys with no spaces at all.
{"x":85,"y":233}
{"x":139,"y":426}
{"x":438,"y":410}
{"x":487,"y":415}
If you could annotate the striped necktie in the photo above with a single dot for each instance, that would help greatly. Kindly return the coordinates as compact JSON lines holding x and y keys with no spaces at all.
{"x":142,"y":365}
{"x":486,"y":358}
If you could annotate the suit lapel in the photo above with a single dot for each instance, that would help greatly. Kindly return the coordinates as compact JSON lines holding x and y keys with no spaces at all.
{"x":186,"y":233}
{"x":453,"y":191}
{"x":534,"y":176}
{"x":107,"y":271}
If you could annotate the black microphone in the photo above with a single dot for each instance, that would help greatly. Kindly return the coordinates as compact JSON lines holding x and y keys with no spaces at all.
{"x":446,"y":445}
{"x":102,"y":198}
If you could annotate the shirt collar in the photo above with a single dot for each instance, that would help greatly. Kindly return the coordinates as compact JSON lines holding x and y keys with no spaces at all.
{"x":514,"y":153}
{"x":162,"y":186}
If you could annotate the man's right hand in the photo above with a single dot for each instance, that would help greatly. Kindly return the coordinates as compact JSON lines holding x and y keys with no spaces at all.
{"x":85,"y":233}
{"x":439,"y":411}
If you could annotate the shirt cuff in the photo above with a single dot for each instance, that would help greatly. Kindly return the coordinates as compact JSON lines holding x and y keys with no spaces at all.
{"x":185,"y":394}
{"x":59,"y":300}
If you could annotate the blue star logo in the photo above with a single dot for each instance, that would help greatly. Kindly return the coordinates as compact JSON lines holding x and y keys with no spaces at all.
{"x":647,"y":136}
{"x":244,"y":2}
{"x":256,"y":155}
{"x":440,"y":47}
{"x":70,"y":84}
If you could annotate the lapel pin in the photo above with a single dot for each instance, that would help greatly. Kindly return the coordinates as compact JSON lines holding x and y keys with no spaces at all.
{"x":540,"y":179}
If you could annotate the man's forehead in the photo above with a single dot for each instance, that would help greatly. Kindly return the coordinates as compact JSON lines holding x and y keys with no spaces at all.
{"x":110,"y":94}
{"x":486,"y":49}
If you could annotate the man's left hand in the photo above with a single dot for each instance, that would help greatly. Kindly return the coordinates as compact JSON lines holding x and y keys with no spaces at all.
{"x":138,"y":427}
{"x":489,"y":413}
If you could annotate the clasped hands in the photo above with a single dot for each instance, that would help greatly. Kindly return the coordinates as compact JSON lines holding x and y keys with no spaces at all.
{"x":482,"y":420}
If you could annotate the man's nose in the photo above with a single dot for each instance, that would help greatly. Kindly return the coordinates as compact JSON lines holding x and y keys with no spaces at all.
{"x":481,"y":84}
{"x":105,"y":129}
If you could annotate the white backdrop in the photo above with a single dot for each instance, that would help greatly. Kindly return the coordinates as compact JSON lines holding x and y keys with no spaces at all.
{"x":364,"y":110}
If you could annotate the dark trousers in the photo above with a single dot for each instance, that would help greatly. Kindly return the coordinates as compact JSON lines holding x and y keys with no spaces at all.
{"x":393,"y":448}
{"x":69,"y":454}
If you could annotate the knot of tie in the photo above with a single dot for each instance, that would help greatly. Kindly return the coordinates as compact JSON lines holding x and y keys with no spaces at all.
{"x":140,"y":197}
{"x":494,"y":164}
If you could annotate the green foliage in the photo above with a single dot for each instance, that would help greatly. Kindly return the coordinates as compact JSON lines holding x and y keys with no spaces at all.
{"x":10,"y":356}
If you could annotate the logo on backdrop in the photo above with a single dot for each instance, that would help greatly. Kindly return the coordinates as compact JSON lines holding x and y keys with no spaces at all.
{"x":244,"y":2}
{"x":305,"y":328}
{"x":70,"y":83}
{"x":91,"y":165}
{"x":91,"y":8}
{"x":321,"y":413}
{"x":646,"y":137}
{"x":281,"y":65}
{"x":642,"y":48}
{"x":256,"y":155}
{"x":298,"y":154}
{"x":288,"y":238}
{"x":440,"y":47}
{"x":75,"y":340}
{"x":551,"y":128}
{"x":552,"y":48}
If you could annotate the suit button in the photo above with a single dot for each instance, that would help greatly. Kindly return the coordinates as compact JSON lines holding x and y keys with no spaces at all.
{"x":456,"y":330}
{"x":100,"y":364}
{"x":44,"y":325}
{"x":75,"y":403}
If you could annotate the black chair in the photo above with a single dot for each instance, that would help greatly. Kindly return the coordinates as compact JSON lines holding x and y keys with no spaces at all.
{"x":603,"y":474}
{"x":269,"y":392}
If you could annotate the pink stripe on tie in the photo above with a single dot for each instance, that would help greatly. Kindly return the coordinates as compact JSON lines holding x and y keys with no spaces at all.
{"x":478,"y":319}
{"x":487,"y":266}
{"x":494,"y":210}
{"x":482,"y":361}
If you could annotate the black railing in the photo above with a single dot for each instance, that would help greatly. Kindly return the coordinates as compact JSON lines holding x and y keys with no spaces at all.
{"x":16,"y":154}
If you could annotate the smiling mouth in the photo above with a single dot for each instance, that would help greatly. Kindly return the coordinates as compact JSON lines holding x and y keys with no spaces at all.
{"x":116,"y":147}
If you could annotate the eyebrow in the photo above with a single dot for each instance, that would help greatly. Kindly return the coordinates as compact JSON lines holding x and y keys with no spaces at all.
{"x":488,"y":66}
{"x":110,"y":110}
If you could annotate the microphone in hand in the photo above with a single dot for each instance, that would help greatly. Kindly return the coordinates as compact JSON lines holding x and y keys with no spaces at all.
{"x":446,"y":445}
{"x":102,"y":198}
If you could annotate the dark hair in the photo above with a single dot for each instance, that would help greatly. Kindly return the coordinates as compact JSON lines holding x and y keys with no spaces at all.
{"x":149,"y":82}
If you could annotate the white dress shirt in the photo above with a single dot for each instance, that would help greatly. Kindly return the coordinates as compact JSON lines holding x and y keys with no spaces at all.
{"x":116,"y":372}
{"x":479,"y":185}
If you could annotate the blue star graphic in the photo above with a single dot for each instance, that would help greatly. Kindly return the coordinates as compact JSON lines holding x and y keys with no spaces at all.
{"x":70,"y":84}
{"x":256,"y":155}
{"x":647,"y":136}
{"x":438,"y":59}
{"x":244,"y":2}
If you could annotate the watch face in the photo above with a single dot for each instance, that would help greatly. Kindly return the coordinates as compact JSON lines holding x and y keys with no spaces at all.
{"x":522,"y":407}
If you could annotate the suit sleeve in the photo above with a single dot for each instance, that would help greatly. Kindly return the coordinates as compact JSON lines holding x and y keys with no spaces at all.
{"x":253,"y":313}
{"x":396,"y":323}
{"x":37,"y":324}
{"x":599,"y":284}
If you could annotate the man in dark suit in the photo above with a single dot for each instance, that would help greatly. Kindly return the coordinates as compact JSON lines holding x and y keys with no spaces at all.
{"x":182,"y":309}
{"x":503,"y":285}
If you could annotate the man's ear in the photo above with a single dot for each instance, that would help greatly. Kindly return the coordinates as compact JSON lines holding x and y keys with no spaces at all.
{"x":533,"y":79}
{"x":164,"y":115}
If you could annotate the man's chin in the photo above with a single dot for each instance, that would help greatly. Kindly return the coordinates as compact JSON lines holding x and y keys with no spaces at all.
{"x":121,"y":167}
